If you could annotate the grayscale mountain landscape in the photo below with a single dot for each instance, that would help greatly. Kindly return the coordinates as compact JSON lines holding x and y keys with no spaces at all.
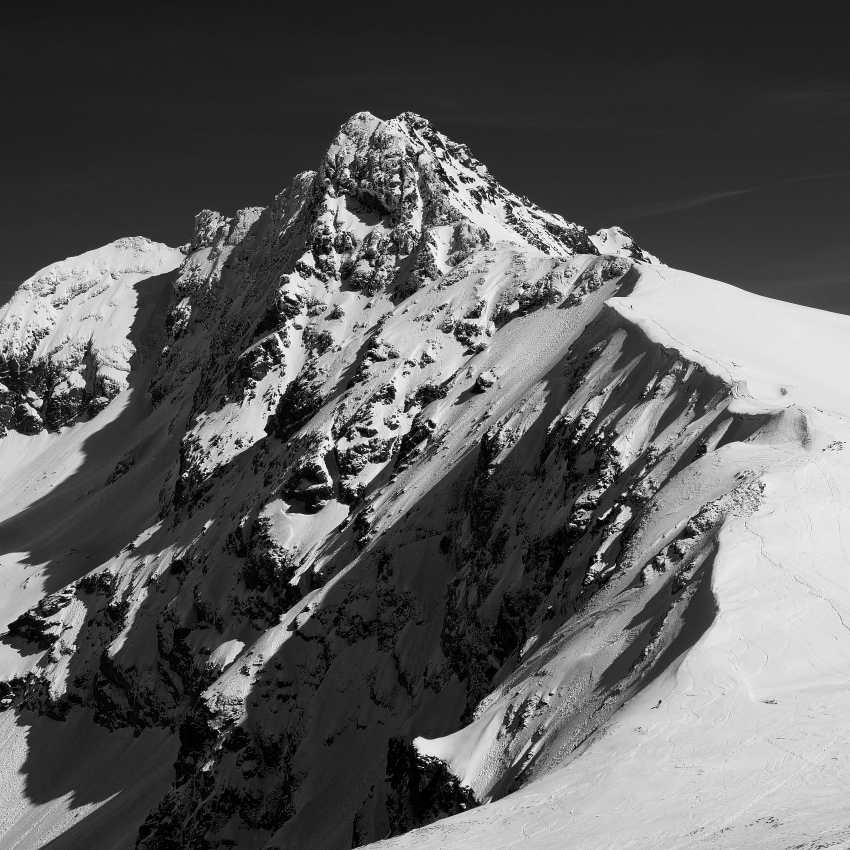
{"x":401,"y":510}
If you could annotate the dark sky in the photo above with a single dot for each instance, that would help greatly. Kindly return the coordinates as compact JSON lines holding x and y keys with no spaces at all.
{"x":717,"y":134}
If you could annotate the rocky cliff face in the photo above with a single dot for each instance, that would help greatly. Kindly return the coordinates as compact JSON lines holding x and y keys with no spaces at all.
{"x":408,"y":461}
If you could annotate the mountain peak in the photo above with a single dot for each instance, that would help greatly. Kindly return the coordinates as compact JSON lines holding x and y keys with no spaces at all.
{"x":431,"y":196}
{"x":358,"y":451}
{"x":615,"y":240}
{"x":394,"y":205}
{"x":64,"y":335}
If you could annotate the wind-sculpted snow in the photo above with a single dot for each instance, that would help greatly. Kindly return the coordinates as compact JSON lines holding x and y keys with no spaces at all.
{"x":421,"y":505}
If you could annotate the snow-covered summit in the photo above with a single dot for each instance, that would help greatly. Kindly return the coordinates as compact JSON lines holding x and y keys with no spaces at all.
{"x":406,"y":169}
{"x":615,"y":240}
{"x":65,"y":336}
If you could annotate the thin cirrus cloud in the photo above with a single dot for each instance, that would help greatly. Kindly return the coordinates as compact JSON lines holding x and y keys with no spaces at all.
{"x":677,"y":204}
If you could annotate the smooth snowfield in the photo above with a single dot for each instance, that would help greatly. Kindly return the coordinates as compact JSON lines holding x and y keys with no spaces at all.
{"x":775,"y":353}
{"x":744,"y":741}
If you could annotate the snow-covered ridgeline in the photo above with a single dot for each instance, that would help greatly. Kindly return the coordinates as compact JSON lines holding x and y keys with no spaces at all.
{"x":738,"y":739}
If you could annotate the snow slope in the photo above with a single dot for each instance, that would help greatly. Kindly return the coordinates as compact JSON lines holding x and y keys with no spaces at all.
{"x":770,"y":351}
{"x":412,"y":497}
{"x":74,"y":784}
{"x":742,"y":740}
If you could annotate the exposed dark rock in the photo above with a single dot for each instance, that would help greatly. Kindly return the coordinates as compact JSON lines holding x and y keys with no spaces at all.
{"x":423,"y":789}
